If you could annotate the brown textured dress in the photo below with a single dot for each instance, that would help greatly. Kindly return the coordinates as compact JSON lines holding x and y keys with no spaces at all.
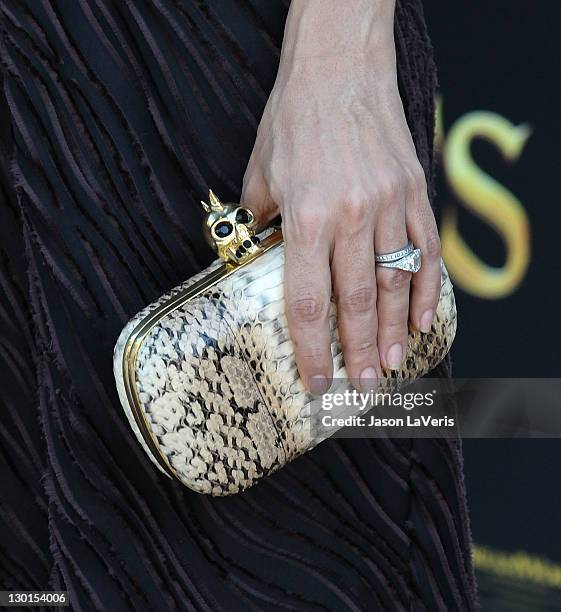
{"x":116,"y":117}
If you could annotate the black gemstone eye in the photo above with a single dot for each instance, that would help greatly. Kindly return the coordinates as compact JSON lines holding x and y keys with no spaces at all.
{"x":223,"y":229}
{"x":243,"y":215}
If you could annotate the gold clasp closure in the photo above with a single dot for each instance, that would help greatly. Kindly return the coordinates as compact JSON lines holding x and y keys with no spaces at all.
{"x":230,"y":230}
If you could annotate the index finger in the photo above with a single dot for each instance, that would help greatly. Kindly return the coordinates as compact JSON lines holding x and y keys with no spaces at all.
{"x":308,"y":298}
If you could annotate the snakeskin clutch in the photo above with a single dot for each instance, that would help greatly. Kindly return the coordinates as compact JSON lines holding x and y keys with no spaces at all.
{"x":206,"y":374}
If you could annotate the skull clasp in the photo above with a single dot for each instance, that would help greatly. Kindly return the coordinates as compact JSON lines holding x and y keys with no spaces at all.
{"x":230,"y":230}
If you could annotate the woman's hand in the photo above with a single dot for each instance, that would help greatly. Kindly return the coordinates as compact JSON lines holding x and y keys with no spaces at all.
{"x":334,"y":155}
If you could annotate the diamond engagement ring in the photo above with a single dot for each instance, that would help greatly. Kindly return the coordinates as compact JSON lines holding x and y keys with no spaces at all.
{"x":408,"y":259}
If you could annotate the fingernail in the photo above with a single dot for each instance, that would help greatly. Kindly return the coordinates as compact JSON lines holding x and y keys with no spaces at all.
{"x":426,"y":321}
{"x":368,"y":378}
{"x":318,"y":384}
{"x":394,"y":356}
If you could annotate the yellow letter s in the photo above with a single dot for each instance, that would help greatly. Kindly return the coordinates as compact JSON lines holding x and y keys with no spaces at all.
{"x":489,"y":200}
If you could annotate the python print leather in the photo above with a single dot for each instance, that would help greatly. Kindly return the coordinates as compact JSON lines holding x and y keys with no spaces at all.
{"x":218,"y":384}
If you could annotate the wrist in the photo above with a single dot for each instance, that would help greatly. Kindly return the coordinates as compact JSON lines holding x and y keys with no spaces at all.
{"x":330,"y":31}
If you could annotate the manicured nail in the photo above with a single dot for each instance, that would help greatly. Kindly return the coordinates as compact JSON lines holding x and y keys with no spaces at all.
{"x":394,"y":356}
{"x":426,"y":321}
{"x":318,"y":384}
{"x":368,"y":378}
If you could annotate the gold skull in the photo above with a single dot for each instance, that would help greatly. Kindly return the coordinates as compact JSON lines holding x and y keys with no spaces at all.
{"x":230,"y":229}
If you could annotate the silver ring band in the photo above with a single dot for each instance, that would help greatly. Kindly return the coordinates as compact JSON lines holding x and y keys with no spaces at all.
{"x":407,"y":259}
{"x":395,"y":255}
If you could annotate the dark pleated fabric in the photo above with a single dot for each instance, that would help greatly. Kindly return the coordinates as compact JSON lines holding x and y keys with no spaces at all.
{"x":116,"y":117}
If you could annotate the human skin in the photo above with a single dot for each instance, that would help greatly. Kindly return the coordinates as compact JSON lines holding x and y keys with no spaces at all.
{"x":334,"y":155}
